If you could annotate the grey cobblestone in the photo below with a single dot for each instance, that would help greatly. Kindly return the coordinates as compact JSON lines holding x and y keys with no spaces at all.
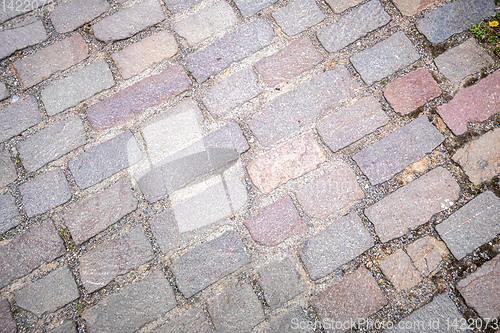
{"x":191,"y":321}
{"x":8,"y":323}
{"x":4,"y":93}
{"x":339,"y":6}
{"x":9,"y":214}
{"x":7,"y":169}
{"x":288,"y":322}
{"x":18,"y":116}
{"x":250,"y":7}
{"x":13,"y":11}
{"x":72,"y":14}
{"x":67,"y":327}
{"x":177,"y":6}
{"x":29,"y":32}
{"x":298,"y":16}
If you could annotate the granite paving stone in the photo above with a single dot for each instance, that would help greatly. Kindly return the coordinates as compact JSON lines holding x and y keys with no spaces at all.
{"x":9,"y":213}
{"x":426,"y":254}
{"x":353,"y":26}
{"x":413,"y":204}
{"x":412,"y":7}
{"x":393,"y":153}
{"x":250,"y":7}
{"x":473,"y":104}
{"x":27,"y":251}
{"x":18,"y":116}
{"x":77,"y":87}
{"x":177,"y":6}
{"x":298,"y":16}
{"x":24,"y":34}
{"x":7,"y":169}
{"x":8,"y":323}
{"x":190,"y":321}
{"x":4,"y":93}
{"x":67,"y":327}
{"x":10,"y":11}
{"x":70,"y":15}
{"x":472,"y":225}
{"x":327,"y":251}
{"x":290,"y":322}
{"x":166,"y":232}
{"x":385,"y":58}
{"x":399,"y":269}
{"x":339,"y":6}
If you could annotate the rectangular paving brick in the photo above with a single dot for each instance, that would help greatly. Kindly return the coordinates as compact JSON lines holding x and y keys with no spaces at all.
{"x":51,"y":142}
{"x":165,"y":230}
{"x":17,"y":9}
{"x":115,"y":257}
{"x":411,"y":7}
{"x":133,"y":306}
{"x":427,"y":254}
{"x":18,"y":116}
{"x":105,"y":159}
{"x":97,"y":212}
{"x":339,"y":6}
{"x":45,"y":192}
{"x":129,"y":21}
{"x":139,"y":56}
{"x":350,"y":124}
{"x":353,"y":26}
{"x":209,"y":262}
{"x":77,"y":87}
{"x":298,"y":16}
{"x":28,"y":251}
{"x":385,"y":58}
{"x":399,"y":269}
{"x":7,"y":169}
{"x":473,"y":104}
{"x":399,"y":149}
{"x":27,"y":33}
{"x":289,"y":62}
{"x":472,"y":225}
{"x":134,"y":99}
{"x":57,"y":57}
{"x":233,"y":47}
{"x":8,"y":323}
{"x":177,"y":6}
{"x":413,"y":204}
{"x":288,"y":161}
{"x":70,"y":15}
{"x":289,"y":322}
{"x":9,"y":214}
{"x":287,"y":113}
{"x":250,"y":7}
{"x":454,"y":17}
{"x":190,"y":321}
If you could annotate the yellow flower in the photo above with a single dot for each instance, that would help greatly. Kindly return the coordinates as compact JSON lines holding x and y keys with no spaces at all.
{"x":494,"y":24}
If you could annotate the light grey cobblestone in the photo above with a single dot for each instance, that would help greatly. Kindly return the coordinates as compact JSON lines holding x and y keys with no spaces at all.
{"x":298,"y":16}
{"x":25,"y":34}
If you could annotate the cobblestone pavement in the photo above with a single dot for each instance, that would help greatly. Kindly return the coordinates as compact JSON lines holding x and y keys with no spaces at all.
{"x":248,"y":166}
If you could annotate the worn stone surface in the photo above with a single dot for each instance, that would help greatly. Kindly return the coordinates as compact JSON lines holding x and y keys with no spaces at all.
{"x":411,"y":7}
{"x":8,"y":323}
{"x":426,"y":254}
{"x":399,"y":269}
{"x":250,"y":7}
{"x":165,"y":230}
{"x":233,"y":47}
{"x":289,"y":62}
{"x":473,"y":104}
{"x":326,"y":251}
{"x":132,"y":306}
{"x":77,"y":87}
{"x":7,"y":169}
{"x":454,"y":17}
{"x":275,"y":223}
{"x":298,"y":16}
{"x":105,"y":159}
{"x":413,"y":204}
{"x":18,"y":116}
{"x":51,"y":142}
{"x":28,"y":251}
{"x":353,"y":26}
{"x":339,"y":6}
{"x":15,"y":9}
{"x":131,"y":101}
{"x":70,"y":15}
{"x":472,"y":225}
{"x":236,"y":309}
{"x":4,"y":93}
{"x":27,"y":33}
{"x":177,"y":6}
{"x":9,"y":214}
{"x":209,"y":262}
{"x":57,"y":57}
{"x":393,"y":153}
{"x":67,"y":327}
{"x":289,"y":322}
{"x":385,"y":58}
{"x":190,"y":321}
{"x":139,"y":56}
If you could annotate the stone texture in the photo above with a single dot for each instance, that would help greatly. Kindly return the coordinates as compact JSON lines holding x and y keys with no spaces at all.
{"x":353,"y":26}
{"x":472,"y":225}
{"x":77,"y":87}
{"x":105,"y":159}
{"x":9,"y":214}
{"x":166,"y":232}
{"x":133,"y":306}
{"x":131,"y":101}
{"x":236,"y":310}
{"x":45,"y":192}
{"x":385,"y":58}
{"x":250,"y":7}
{"x":412,"y":91}
{"x":393,"y":153}
{"x":291,"y":111}
{"x":339,"y":6}
{"x":29,"y":32}
{"x":480,"y":289}
{"x":351,"y":123}
{"x":205,"y":23}
{"x":4,"y":93}
{"x":10,"y":11}
{"x":232,"y":92}
{"x":190,"y":321}
{"x":399,"y":269}
{"x":209,"y":262}
{"x":50,"y":293}
{"x":473,"y":104}
{"x":8,"y":323}
{"x":97,"y":212}
{"x":51,"y":142}
{"x":480,"y":159}
{"x":463,"y":60}
{"x":70,"y":15}
{"x":129,"y":21}
{"x":57,"y":57}
{"x":298,"y":16}
{"x":289,"y":62}
{"x":288,"y":161}
{"x":177,"y":6}
{"x":28,"y":251}
{"x":289,"y":322}
{"x":413,"y":204}
{"x":233,"y":47}
{"x":275,"y":223}
{"x":18,"y":116}
{"x":411,"y":7}
{"x":7,"y":169}
{"x":426,"y":254}
{"x":139,"y":56}
{"x":454,"y":17}
{"x":327,"y":251}
{"x":332,"y":193}
{"x":67,"y":327}
{"x":115,"y":257}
